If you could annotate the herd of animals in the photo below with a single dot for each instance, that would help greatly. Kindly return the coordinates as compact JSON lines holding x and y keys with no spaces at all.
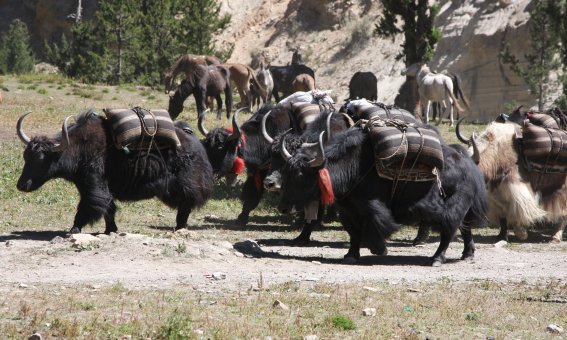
{"x":375,"y":165}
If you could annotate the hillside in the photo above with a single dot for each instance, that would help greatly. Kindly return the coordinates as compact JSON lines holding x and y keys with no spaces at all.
{"x":335,"y":39}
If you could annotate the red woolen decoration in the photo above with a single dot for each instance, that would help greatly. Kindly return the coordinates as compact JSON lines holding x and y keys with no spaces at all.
{"x":326,"y":188}
{"x":238,"y":165}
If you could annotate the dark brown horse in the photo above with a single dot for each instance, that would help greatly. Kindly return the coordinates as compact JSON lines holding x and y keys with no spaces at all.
{"x":202,"y":82}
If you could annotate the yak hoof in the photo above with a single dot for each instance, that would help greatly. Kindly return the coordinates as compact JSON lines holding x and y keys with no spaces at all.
{"x":349,"y":260}
{"x":438,"y":261}
{"x":300,"y":241}
{"x":75,"y":230}
{"x":521,"y":234}
{"x":242,"y":220}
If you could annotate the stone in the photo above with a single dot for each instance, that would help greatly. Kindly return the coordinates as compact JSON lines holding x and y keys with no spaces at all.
{"x":310,"y":337}
{"x":35,"y":336}
{"x":79,"y":239}
{"x":553,"y":328}
{"x":369,"y":312}
{"x":280,"y":305}
{"x":218,"y":276}
{"x":57,"y":240}
{"x":249,"y":247}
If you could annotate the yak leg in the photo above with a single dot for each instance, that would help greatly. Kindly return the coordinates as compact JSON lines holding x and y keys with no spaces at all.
{"x":109,"y":219}
{"x":351,"y":226}
{"x":447,"y":235}
{"x":92,"y":206}
{"x":503,"y":235}
{"x":468,"y":251}
{"x":183,"y":211}
{"x":422,"y":235}
{"x":309,"y":225}
{"x":251,"y":195}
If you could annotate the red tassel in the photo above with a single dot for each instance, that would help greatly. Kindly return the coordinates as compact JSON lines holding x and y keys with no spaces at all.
{"x":326,"y":188}
{"x":238,"y":165}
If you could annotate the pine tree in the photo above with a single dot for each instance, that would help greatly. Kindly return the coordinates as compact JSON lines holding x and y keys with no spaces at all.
{"x":420,"y":34}
{"x":544,"y":40}
{"x":16,"y":55}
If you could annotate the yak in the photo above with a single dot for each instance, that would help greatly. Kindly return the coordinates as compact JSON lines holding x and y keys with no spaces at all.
{"x":283,"y":77}
{"x":363,"y":85}
{"x":204,"y":81}
{"x":518,"y":198}
{"x":84,"y":154}
{"x":372,"y":208}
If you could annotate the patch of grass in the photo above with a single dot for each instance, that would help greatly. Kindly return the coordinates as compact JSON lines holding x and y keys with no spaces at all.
{"x":42,"y":91}
{"x":343,"y":322}
{"x":32,"y":87}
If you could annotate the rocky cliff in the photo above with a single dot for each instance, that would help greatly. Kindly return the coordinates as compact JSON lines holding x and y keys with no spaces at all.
{"x":335,"y":39}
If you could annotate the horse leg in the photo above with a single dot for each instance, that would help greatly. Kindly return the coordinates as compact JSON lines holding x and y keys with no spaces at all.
{"x":227,"y":100}
{"x":219,"y":106}
{"x":200,"y":98}
{"x":451,"y":114}
{"x":427,"y":112}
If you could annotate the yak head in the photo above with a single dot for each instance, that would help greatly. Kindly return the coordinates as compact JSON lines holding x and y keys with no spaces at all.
{"x":222,"y":147}
{"x":40,"y":156}
{"x":300,"y":176}
{"x":492,"y":149}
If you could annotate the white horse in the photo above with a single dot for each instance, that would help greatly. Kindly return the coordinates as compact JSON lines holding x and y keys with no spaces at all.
{"x":435,"y":87}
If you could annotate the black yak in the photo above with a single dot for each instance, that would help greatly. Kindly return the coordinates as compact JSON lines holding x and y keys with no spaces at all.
{"x":84,"y":154}
{"x":363,"y":85}
{"x":371,"y":208}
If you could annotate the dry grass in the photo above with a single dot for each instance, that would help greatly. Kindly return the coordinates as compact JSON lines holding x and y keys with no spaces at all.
{"x":441,"y":310}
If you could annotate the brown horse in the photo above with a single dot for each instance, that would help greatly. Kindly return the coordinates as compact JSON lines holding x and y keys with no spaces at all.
{"x":204,"y":81}
{"x":186,"y":64}
{"x":303,"y":82}
{"x":242,"y":75}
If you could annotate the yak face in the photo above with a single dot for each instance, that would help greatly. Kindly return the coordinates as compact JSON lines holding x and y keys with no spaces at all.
{"x":273,"y":181}
{"x":39,"y":156}
{"x":299,"y":182}
{"x":221,"y":150}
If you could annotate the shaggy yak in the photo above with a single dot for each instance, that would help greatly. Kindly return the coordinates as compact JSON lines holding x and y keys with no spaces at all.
{"x":186,"y":64}
{"x":84,"y":154}
{"x":363,"y":85}
{"x":204,"y":81}
{"x":518,"y":198}
{"x":371,"y":208}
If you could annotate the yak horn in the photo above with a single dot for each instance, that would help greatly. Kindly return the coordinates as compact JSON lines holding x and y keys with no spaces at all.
{"x":264,"y":132}
{"x":19,"y":128}
{"x":64,"y":136}
{"x":285,"y":154}
{"x":459,"y":135}
{"x":328,"y":126}
{"x":320,"y":158}
{"x":476,"y":154}
{"x":235,"y":128}
{"x":200,"y":124}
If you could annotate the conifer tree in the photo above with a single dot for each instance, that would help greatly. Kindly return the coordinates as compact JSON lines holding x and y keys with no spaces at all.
{"x":544,"y":41}
{"x":420,"y":35}
{"x":16,"y":55}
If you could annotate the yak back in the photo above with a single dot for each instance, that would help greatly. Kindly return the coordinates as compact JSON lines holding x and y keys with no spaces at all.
{"x":405,"y":151}
{"x":139,"y":128}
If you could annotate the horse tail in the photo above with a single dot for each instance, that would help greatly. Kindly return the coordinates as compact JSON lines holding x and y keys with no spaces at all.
{"x":458,"y":91}
{"x":454,"y":99}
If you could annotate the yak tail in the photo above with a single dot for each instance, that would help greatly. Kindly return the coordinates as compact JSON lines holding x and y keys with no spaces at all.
{"x":454,"y":99}
{"x":524,"y":209}
{"x":458,"y":90}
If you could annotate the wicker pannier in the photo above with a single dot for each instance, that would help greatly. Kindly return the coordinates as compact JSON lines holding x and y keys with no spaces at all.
{"x":404,"y":151}
{"x":545,"y":149}
{"x":362,"y":109}
{"x":136,"y":128}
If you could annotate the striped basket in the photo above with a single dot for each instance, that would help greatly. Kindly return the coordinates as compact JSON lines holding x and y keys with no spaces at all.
{"x":305,"y":113}
{"x":404,"y":151}
{"x":367,"y":110}
{"x":137,"y":128}
{"x":545,"y":149}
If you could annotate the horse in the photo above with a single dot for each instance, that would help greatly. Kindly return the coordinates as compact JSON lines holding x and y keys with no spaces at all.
{"x":266,"y":81}
{"x":303,"y":82}
{"x":186,"y":64}
{"x":243,"y":76}
{"x":436,"y":87}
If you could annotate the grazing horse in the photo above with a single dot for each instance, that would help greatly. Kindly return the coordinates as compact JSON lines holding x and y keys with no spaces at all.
{"x":204,"y":81}
{"x":186,"y":64}
{"x":435,"y":87}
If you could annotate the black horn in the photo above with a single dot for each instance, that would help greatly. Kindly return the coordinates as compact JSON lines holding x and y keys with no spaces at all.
{"x":19,"y":128}
{"x":267,"y":137}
